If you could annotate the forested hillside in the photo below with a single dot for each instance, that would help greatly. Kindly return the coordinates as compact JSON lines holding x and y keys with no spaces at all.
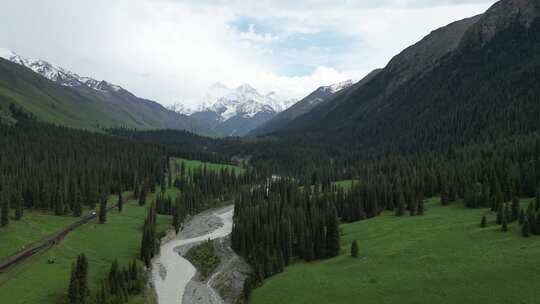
{"x":64,"y":170}
{"x":477,"y":90}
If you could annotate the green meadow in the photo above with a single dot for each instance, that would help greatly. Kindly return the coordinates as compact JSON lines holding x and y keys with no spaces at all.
{"x":194,"y":164}
{"x":441,"y":257}
{"x":37,"y":281}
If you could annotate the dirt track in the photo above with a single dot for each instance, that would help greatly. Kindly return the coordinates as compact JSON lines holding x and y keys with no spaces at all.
{"x":46,"y":242}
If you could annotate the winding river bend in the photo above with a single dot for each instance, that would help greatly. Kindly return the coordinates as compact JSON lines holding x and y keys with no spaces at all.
{"x":171,"y":272}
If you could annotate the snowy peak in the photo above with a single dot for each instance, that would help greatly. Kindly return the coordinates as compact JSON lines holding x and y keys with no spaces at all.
{"x":337,"y":86}
{"x":58,"y":74}
{"x":180,"y":109}
{"x":244,"y":101}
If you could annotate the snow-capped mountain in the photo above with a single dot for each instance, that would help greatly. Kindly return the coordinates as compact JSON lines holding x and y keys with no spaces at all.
{"x":236,"y":111}
{"x":243,"y":100}
{"x":58,"y":74}
{"x":111,"y":104}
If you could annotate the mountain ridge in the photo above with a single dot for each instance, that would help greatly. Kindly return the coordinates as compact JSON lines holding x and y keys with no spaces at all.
{"x":472,"y":87}
{"x":56,"y":95}
{"x":235,"y":111}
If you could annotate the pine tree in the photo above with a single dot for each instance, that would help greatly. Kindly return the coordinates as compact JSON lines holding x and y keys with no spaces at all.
{"x":500,"y":215}
{"x":120,"y":200}
{"x":445,"y":196}
{"x":103,"y":211}
{"x":19,"y":204}
{"x":82,"y":277}
{"x":5,"y":214}
{"x":73,"y":290}
{"x":77,"y":204}
{"x":507,"y":213}
{"x":515,"y":209}
{"x":504,"y":227}
{"x":483,"y":223}
{"x":420,"y":207}
{"x":354,"y":249}
{"x":142,"y":195}
{"x":521,"y":216}
{"x":537,"y":199}
{"x":400,"y":204}
{"x":332,"y":235}
{"x":525,"y":229}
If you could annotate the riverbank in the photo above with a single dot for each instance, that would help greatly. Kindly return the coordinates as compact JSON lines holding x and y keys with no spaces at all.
{"x":225,"y":284}
{"x":174,"y":278}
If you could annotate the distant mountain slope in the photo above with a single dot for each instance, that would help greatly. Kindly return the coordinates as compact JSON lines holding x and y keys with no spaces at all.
{"x":235,"y":112}
{"x":55,"y":95}
{"x":415,"y":60}
{"x":474,"y":80}
{"x":309,"y":102}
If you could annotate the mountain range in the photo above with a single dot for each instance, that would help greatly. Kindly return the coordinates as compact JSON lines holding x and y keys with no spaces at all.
{"x":56,"y":95}
{"x":235,"y":111}
{"x":224,"y":112}
{"x":317,"y":98}
{"x":457,"y":85}
{"x":471,"y":81}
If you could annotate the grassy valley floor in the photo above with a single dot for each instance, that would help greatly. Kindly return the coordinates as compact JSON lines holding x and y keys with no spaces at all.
{"x":441,"y":257}
{"x":37,"y":281}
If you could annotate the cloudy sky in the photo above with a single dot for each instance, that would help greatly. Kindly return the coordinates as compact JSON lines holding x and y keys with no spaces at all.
{"x":173,"y":50}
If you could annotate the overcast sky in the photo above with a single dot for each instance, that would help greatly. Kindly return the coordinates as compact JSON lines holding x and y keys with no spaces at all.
{"x":172,"y":51}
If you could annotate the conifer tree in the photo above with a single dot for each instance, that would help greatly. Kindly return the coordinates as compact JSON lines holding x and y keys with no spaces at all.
{"x":537,"y":199}
{"x":82,"y":277}
{"x":483,"y":223}
{"x":521,"y":216}
{"x":73,"y":290}
{"x":354,"y":249}
{"x":515,"y":209}
{"x":525,"y":229}
{"x":77,"y":204}
{"x":103,"y":211}
{"x":5,"y":213}
{"x":19,"y":203}
{"x":400,"y":204}
{"x":120,"y":200}
{"x":332,"y":235}
{"x":500,"y":215}
{"x":78,"y":283}
{"x":420,"y":207}
{"x":504,"y":227}
{"x":142,"y":195}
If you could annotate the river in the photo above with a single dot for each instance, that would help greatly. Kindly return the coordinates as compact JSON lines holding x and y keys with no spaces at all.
{"x":170,"y":271}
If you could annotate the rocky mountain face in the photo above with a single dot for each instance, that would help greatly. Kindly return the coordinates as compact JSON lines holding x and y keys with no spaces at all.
{"x":57,"y":95}
{"x":236,"y":111}
{"x":462,"y":83}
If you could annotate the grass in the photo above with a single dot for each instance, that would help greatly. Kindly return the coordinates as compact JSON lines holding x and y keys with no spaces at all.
{"x":36,"y":281}
{"x":441,"y":257}
{"x":33,"y":226}
{"x":194,"y":164}
{"x":345,"y":184}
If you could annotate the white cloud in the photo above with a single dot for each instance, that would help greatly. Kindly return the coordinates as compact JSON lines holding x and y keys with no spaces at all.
{"x":173,"y":50}
{"x":252,"y":35}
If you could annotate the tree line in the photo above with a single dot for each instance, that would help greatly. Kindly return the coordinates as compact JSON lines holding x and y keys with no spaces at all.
{"x":64,"y":170}
{"x":274,"y":224}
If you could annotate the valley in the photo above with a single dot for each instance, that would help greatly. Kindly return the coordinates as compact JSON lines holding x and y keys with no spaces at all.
{"x":443,"y":256}
{"x":264,"y":174}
